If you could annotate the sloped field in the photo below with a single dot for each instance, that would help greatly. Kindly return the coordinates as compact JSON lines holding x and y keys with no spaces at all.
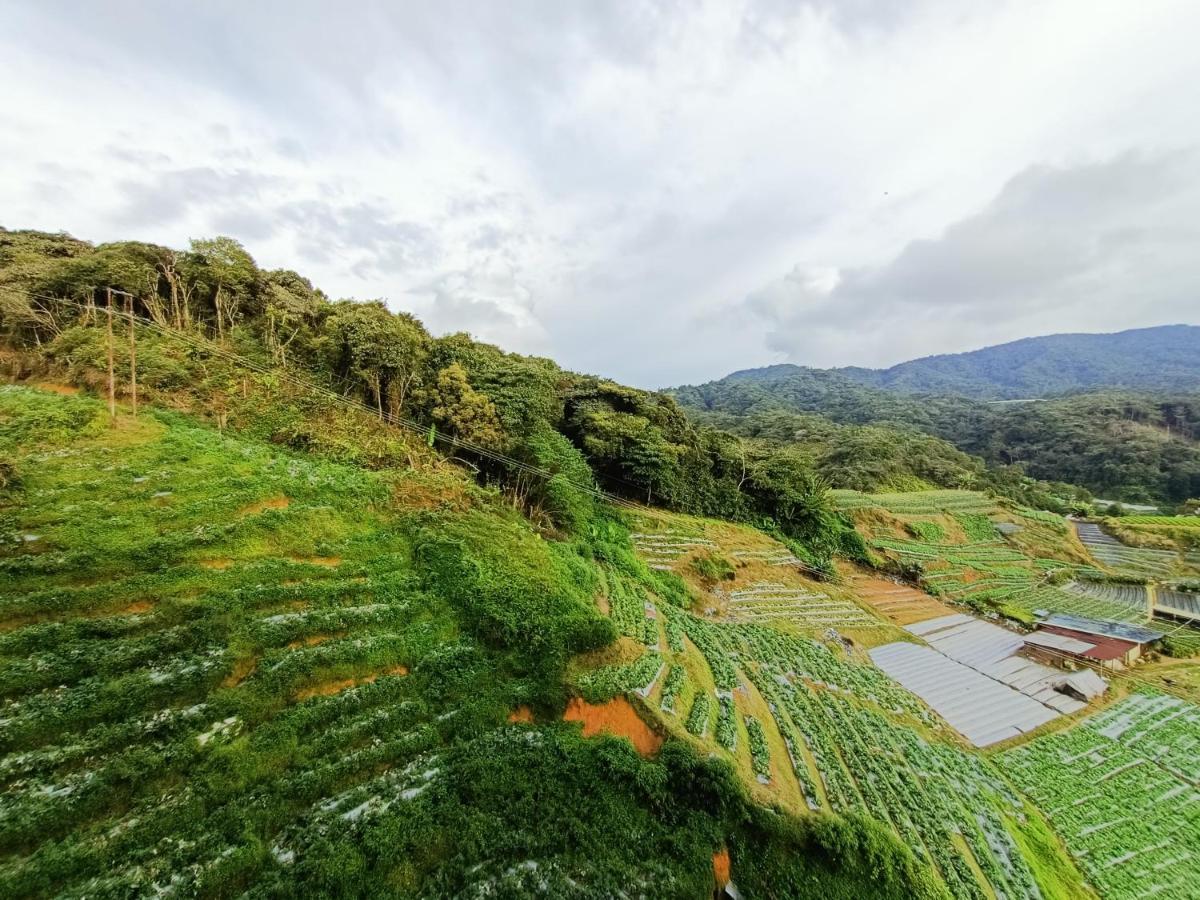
{"x":1122,"y":790}
{"x":1138,"y":561}
{"x":208,"y":691}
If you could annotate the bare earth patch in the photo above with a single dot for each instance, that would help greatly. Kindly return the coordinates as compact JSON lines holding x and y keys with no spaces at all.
{"x":312,"y":640}
{"x":66,"y":390}
{"x":133,"y":609}
{"x":242,"y":670}
{"x":521,"y":714}
{"x":616,"y":717}
{"x":899,"y":603}
{"x":327,"y":561}
{"x":254,"y":509}
{"x":328,"y":688}
{"x":721,"y":867}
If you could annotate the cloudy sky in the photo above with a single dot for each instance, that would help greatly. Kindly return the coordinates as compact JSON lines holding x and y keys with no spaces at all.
{"x":661,"y":192}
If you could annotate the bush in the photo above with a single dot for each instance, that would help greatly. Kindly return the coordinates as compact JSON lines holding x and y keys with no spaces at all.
{"x":713,"y":568}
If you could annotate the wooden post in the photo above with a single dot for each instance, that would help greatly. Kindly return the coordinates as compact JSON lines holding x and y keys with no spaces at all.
{"x":112,"y":389}
{"x":132,"y":356}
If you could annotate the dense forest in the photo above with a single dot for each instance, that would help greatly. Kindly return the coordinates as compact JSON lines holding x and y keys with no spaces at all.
{"x":1132,"y":446}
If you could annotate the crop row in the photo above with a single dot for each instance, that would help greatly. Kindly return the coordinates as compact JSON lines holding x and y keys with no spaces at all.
{"x":604,"y":683}
{"x":1126,"y":814}
{"x":629,"y":607}
{"x":1170,"y":521}
{"x":928,"y":793}
{"x":916,"y":503}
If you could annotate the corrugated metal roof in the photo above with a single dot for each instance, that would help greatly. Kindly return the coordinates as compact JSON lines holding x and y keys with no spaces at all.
{"x":1058,"y":642}
{"x":1104,"y":628}
{"x":981,"y":708}
{"x":1103,"y":649}
{"x":1087,"y":682}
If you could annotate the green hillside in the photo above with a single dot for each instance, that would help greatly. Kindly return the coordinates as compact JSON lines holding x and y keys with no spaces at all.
{"x":1132,"y":446}
{"x":297,"y":599}
{"x":229,"y":667}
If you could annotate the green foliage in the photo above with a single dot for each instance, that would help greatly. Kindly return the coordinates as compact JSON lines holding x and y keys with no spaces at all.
{"x":759,"y":753}
{"x":672,"y":685}
{"x":713,"y":568}
{"x":977,"y":527}
{"x":802,"y":855}
{"x":566,"y":496}
{"x":460,"y":410}
{"x":930,"y":532}
{"x":698,"y":715}
{"x":727,"y":719}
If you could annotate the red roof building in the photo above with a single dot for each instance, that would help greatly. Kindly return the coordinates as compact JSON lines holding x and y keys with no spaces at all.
{"x":1093,"y":642}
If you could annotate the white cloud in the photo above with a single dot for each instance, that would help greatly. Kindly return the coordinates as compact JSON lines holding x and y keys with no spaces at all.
{"x":626,"y":186}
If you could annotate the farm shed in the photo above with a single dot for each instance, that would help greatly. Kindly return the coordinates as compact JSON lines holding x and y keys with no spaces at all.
{"x":1084,"y":685}
{"x":1111,"y":645}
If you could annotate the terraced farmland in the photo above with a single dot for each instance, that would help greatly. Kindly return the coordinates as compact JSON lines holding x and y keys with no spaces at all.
{"x":1140,"y":561}
{"x":177,"y":600}
{"x":765,"y":601}
{"x":993,"y":574}
{"x":854,"y":741}
{"x":1161,"y":521}
{"x":1122,"y":791}
{"x":917,"y":503}
{"x":663,"y":549}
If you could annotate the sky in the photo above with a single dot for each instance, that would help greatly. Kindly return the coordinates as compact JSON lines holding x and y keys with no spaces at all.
{"x":657,"y":192}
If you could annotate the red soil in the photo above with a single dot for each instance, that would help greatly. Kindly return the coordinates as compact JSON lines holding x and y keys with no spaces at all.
{"x":327,"y":688}
{"x":721,"y":867}
{"x":616,"y":717}
{"x":521,"y":714}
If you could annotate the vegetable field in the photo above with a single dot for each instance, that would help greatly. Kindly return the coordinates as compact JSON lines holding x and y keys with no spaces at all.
{"x":856,"y":743}
{"x":1122,"y":791}
{"x":918,"y":503}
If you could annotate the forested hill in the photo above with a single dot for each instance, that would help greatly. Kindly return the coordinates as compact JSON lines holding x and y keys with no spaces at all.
{"x":1131,"y":445}
{"x":1165,"y":358}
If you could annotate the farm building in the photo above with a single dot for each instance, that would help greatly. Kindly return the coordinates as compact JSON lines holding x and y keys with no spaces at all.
{"x":1084,"y":685}
{"x":1094,"y":642}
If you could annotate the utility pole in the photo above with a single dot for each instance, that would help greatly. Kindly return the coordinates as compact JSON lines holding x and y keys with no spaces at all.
{"x":112,"y":390}
{"x":132,"y":356}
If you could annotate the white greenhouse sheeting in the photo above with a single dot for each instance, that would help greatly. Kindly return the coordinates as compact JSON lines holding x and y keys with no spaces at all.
{"x":981,"y":709}
{"x":992,"y":651}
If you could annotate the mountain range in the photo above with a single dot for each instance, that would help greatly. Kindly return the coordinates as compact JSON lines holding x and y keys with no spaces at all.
{"x":1166,"y":357}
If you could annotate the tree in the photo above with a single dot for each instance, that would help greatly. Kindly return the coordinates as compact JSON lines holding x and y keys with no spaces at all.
{"x":224,"y":266}
{"x":462,"y":411}
{"x":386,"y":352}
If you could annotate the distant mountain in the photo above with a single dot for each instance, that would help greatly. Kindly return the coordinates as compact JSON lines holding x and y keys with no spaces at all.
{"x":1165,"y":358}
{"x":1123,"y":416}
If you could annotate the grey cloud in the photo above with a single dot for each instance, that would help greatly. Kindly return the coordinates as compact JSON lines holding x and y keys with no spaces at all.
{"x":365,"y":234}
{"x":165,"y":197}
{"x":137,"y":156}
{"x":1100,"y":243}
